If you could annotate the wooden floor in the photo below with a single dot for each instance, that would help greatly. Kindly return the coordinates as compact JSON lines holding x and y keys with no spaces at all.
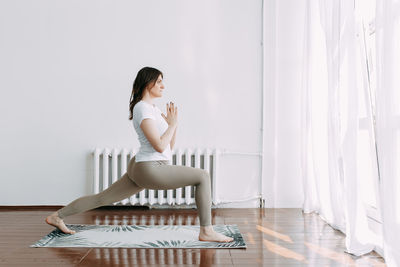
{"x":274,"y":237}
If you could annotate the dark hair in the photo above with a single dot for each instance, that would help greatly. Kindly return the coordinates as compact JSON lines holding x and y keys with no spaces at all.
{"x":144,"y":77}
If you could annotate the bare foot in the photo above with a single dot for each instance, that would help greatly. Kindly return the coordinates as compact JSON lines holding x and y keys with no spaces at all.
{"x":56,"y":221}
{"x":208,"y":234}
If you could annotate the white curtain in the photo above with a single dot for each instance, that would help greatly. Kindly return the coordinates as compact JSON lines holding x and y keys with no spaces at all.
{"x":388,"y":124}
{"x":330,"y":123}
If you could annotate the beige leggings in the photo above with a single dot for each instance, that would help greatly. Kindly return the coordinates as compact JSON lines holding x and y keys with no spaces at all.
{"x":158,"y":175}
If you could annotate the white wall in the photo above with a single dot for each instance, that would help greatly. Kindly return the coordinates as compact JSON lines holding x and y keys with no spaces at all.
{"x":283,"y":44}
{"x":289,"y":43}
{"x":67,"y":71}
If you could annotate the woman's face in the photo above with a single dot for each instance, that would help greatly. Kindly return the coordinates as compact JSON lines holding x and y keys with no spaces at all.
{"x":158,"y":88}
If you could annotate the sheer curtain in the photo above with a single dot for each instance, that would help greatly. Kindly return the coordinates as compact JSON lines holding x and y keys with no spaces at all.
{"x":388,"y":124}
{"x":331,"y":80}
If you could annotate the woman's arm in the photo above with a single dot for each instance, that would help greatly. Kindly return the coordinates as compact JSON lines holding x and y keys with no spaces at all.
{"x":149,"y":129}
{"x":173,"y":139}
{"x":159,"y":143}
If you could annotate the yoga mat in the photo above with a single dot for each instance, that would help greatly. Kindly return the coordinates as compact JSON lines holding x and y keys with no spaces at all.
{"x":139,"y":236}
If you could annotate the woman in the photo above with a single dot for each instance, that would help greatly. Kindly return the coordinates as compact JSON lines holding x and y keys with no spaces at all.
{"x":150,"y":167}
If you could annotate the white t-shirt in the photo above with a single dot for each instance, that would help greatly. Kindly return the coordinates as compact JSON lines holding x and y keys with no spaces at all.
{"x":141,"y":111}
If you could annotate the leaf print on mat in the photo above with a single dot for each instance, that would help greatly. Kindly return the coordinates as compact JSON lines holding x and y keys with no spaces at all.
{"x":139,"y":236}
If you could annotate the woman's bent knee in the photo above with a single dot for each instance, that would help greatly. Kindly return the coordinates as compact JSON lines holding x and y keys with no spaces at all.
{"x":204,"y":176}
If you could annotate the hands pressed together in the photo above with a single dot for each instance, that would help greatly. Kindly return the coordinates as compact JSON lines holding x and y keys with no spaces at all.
{"x":172,"y":114}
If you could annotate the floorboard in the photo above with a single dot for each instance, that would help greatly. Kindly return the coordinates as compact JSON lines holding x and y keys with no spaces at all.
{"x":275,"y":237}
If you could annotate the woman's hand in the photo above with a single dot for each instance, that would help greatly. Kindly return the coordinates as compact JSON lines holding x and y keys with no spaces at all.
{"x":172,"y":114}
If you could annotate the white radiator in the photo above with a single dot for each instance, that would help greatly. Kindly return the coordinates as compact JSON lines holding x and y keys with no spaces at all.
{"x":111,"y":164}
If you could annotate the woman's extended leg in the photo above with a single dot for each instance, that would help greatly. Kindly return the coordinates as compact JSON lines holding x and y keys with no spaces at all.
{"x":159,"y":175}
{"x":119,"y":190}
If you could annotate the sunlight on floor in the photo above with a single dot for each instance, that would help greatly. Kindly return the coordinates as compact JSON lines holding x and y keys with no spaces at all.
{"x":274,"y":234}
{"x":284,"y":252}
